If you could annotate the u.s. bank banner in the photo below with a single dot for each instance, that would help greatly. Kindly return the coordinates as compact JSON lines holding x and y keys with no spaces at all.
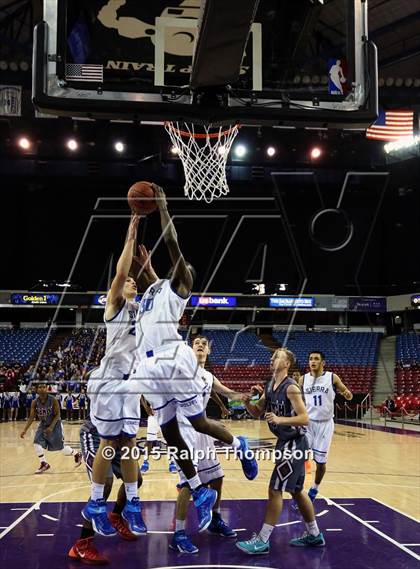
{"x":120,"y":35}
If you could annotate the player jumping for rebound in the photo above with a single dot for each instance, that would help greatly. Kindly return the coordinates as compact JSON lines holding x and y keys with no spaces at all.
{"x":114,"y":411}
{"x":209,"y":469}
{"x":319,"y":387}
{"x":49,"y":435}
{"x":166,"y":372}
{"x":285,"y":411}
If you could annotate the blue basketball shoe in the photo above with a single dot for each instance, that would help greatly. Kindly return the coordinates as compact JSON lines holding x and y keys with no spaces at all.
{"x":308,"y":540}
{"x":181,"y":542}
{"x":95,"y":512}
{"x":172,"y":468}
{"x":312,"y":492}
{"x":132,"y":515}
{"x":254,"y":546}
{"x":249,"y":465}
{"x":220,"y":527}
{"x":145,"y":467}
{"x":204,"y":500}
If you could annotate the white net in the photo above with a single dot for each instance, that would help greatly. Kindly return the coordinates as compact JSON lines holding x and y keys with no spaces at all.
{"x":204,"y":155}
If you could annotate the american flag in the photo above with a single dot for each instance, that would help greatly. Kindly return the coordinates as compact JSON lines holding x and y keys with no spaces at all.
{"x":391,"y":125}
{"x":84,"y":72}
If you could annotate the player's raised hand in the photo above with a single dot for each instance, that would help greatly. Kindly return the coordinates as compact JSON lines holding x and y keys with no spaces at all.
{"x":160,"y":196}
{"x":143,"y":257}
{"x":132,"y":228}
{"x":257,"y":389}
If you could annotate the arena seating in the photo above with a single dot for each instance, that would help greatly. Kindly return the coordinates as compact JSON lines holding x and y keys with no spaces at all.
{"x":238,"y":358}
{"x":351,"y":355}
{"x":21,"y":345}
{"x":407,"y":371}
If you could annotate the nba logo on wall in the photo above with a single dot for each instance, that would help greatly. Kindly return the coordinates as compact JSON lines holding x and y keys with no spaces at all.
{"x":337,"y":76}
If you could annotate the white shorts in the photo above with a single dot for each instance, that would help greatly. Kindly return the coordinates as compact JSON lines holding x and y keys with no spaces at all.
{"x":153,"y":430}
{"x":114,"y":409}
{"x":319,"y":435}
{"x":169,"y":381}
{"x":209,"y":467}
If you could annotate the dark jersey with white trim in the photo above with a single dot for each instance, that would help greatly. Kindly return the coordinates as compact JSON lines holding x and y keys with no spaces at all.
{"x":278,"y":403}
{"x":45,"y":411}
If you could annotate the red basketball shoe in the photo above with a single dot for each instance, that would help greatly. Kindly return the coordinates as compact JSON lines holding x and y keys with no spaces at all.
{"x":43,"y":467}
{"x":85,"y":551}
{"x":119,"y":524}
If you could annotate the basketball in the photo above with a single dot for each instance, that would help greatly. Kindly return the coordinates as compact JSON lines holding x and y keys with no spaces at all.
{"x":141,"y":198}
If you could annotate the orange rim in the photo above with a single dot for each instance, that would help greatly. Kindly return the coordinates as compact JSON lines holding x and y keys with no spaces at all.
{"x":186,"y":134}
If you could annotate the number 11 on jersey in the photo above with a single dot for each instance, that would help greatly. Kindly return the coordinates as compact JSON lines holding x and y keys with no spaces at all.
{"x":317,"y":400}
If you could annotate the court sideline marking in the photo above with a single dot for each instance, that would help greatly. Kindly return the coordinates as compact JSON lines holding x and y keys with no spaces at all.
{"x":375,"y":530}
{"x":35,"y":506}
{"x":396,"y":510}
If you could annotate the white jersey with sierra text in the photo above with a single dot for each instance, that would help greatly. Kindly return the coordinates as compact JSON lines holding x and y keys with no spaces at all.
{"x":120,"y":343}
{"x":319,"y":396}
{"x":207,"y":378}
{"x":158,"y":317}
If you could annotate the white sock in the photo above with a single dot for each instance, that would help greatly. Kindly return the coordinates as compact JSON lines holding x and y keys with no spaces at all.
{"x":179,"y":525}
{"x":236,"y":443}
{"x":315,"y":486}
{"x":312,"y":528}
{"x":97,"y":491}
{"x":130,"y":490}
{"x":39,"y":452}
{"x":265,"y":532}
{"x":68,"y":451}
{"x":217,"y":510}
{"x":194,"y":482}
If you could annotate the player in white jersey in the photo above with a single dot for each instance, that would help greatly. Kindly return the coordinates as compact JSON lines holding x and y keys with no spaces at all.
{"x":319,"y":387}
{"x":208,"y":468}
{"x":114,"y":411}
{"x":166,"y":368}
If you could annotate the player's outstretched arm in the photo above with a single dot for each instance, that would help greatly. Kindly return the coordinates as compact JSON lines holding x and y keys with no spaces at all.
{"x":30,"y":420}
{"x":115,"y":295}
{"x":219,"y":387}
{"x":182,"y":279}
{"x":341,"y":388}
{"x":220,"y":404}
{"x":301,"y":418}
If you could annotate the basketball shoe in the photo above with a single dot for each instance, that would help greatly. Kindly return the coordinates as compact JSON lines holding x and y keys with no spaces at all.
{"x":172,"y":468}
{"x":312,"y":492}
{"x":95,"y":512}
{"x":132,"y":515}
{"x":43,"y":467}
{"x":204,"y":500}
{"x":308,"y":540}
{"x":249,"y":465}
{"x":254,"y":546}
{"x":145,"y":467}
{"x":84,"y":550}
{"x":77,"y":459}
{"x":119,"y":524}
{"x":219,"y":527}
{"x":181,"y":542}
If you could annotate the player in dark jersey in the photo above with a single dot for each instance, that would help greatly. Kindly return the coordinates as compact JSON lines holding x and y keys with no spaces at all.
{"x":84,"y":549}
{"x":285,"y":411}
{"x":49,"y":435}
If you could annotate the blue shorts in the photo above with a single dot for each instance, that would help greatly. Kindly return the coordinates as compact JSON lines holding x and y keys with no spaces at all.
{"x":52,"y":442}
{"x":89,"y":442}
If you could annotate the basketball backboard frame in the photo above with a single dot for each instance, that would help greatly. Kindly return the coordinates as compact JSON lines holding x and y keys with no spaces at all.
{"x":55,"y":93}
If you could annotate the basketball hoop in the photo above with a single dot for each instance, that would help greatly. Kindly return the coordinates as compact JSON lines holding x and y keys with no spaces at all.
{"x":204,"y":156}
